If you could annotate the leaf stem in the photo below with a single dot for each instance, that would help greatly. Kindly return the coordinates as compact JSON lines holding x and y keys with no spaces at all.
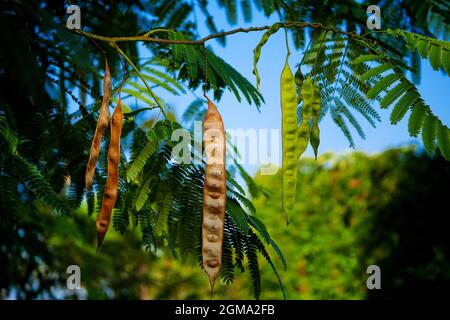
{"x":142,"y":78}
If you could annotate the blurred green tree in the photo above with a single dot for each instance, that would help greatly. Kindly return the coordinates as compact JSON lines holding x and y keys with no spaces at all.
{"x":356,"y":210}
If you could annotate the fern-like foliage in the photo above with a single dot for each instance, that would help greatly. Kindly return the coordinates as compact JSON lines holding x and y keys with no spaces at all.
{"x":155,"y":74}
{"x":343,"y":93}
{"x":352,"y":73}
{"x":9,"y":196}
{"x":190,"y":61}
{"x":15,"y":170}
{"x":194,"y":112}
{"x":436,"y":51}
{"x":392,"y":88}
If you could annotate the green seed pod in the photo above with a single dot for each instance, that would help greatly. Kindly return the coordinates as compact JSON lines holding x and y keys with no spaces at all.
{"x":299,"y":78}
{"x":314,"y":136}
{"x":289,"y":137}
{"x":303,"y":130}
{"x":257,"y":51}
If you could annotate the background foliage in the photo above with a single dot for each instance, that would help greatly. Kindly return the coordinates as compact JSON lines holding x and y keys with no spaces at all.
{"x":353,"y":211}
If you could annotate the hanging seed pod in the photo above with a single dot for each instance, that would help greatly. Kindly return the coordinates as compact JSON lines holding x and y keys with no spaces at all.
{"x":112,"y":182}
{"x":257,"y":51}
{"x":314,"y":135}
{"x":299,"y":78}
{"x":304,"y":129}
{"x":214,"y":192}
{"x":102,"y":124}
{"x":289,"y":137}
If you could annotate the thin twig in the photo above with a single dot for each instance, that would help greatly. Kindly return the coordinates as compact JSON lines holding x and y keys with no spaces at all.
{"x":142,"y":78}
{"x":206,"y":71}
{"x":124,"y":77}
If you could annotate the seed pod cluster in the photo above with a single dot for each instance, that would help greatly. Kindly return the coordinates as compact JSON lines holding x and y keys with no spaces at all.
{"x":112,"y":182}
{"x":214,"y":192}
{"x":102,"y":124}
{"x":289,"y":134}
{"x":304,"y":129}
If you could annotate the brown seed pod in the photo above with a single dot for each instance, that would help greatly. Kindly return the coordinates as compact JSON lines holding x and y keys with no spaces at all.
{"x":112,"y":182}
{"x":102,"y":124}
{"x":214,"y":192}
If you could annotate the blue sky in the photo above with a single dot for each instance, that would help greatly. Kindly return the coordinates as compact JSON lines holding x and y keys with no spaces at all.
{"x":239,"y":53}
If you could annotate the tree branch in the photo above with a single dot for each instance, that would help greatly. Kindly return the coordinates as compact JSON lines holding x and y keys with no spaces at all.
{"x":202,"y":41}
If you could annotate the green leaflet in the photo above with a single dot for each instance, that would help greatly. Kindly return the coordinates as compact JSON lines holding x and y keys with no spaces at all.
{"x":337,"y":118}
{"x":368,"y":57}
{"x":144,"y":220}
{"x":358,"y":102}
{"x":394,"y":93}
{"x":143,"y":194}
{"x":140,"y":161}
{"x":237,"y":214}
{"x":253,"y":266}
{"x":265,"y":254}
{"x":435,"y":57}
{"x":416,"y":119}
{"x":342,"y":108}
{"x":121,"y":219}
{"x":139,"y":95}
{"x":39,"y":185}
{"x":8,"y":135}
{"x":429,"y":132}
{"x":161,"y":83}
{"x":381,"y":85}
{"x":402,"y":107}
{"x":422,"y":48}
{"x":376,"y":71}
{"x":163,"y":214}
{"x":170,"y":80}
{"x":261,"y":228}
{"x":437,"y":51}
{"x":446,"y":60}
{"x":191,"y":60}
{"x":443,"y":139}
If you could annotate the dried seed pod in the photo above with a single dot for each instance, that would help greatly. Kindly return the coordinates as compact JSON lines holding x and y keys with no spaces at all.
{"x":112,"y":182}
{"x":214,"y":192}
{"x":102,"y":124}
